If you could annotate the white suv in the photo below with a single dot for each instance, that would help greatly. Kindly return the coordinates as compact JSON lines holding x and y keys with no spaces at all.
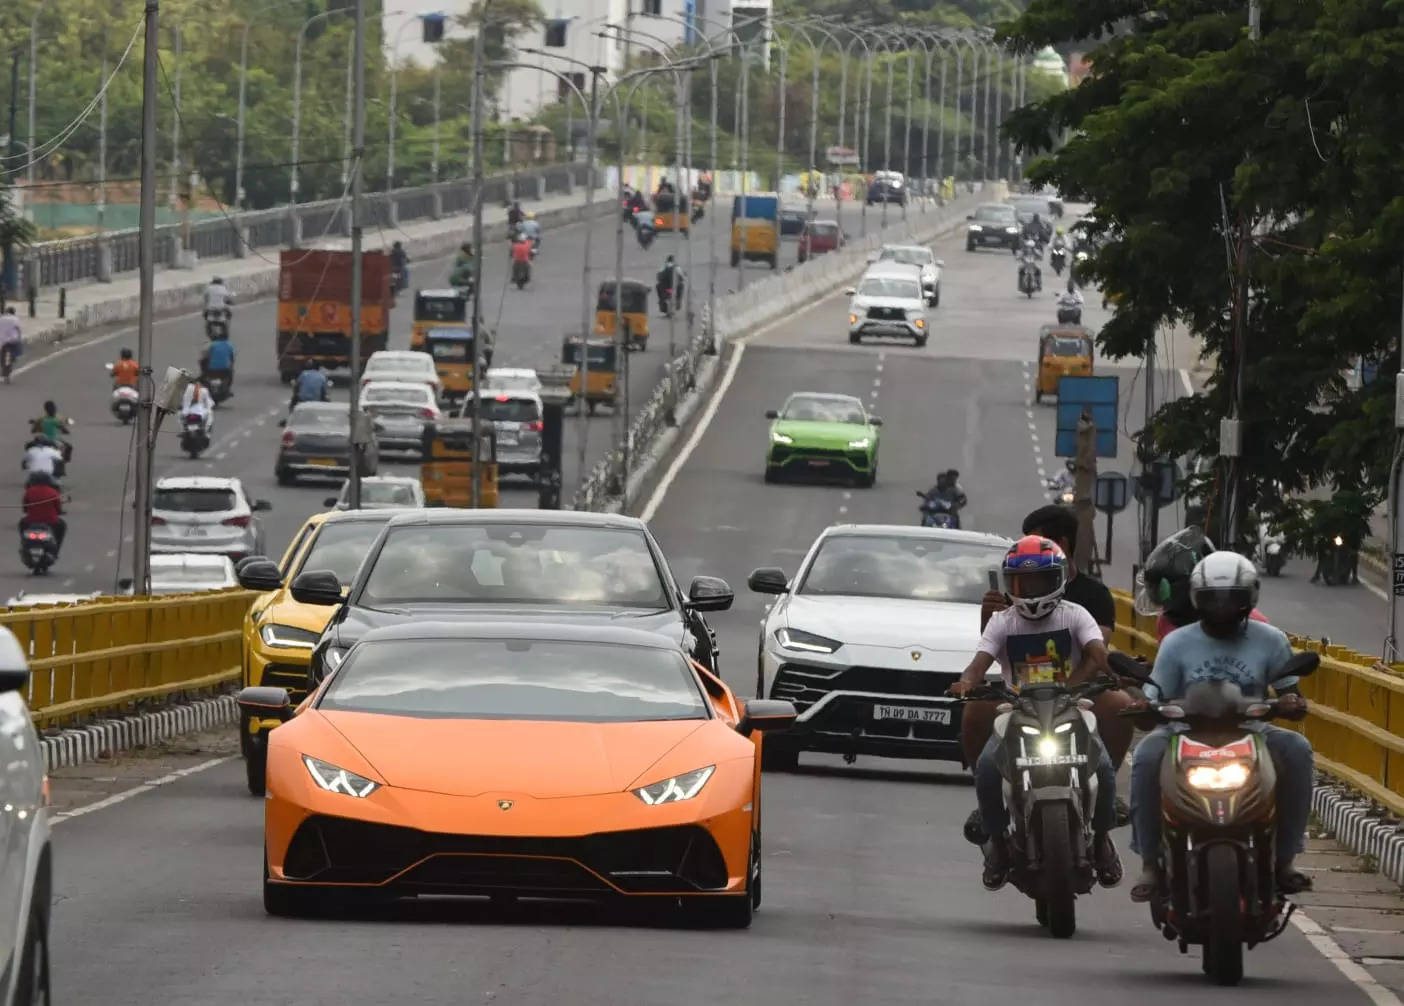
{"x":200,"y":513}
{"x":921,"y":257}
{"x":888,"y":301}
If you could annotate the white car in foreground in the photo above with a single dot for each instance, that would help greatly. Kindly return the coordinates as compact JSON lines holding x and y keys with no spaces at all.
{"x":203,"y":513}
{"x":888,"y":301}
{"x":868,"y":635}
{"x":187,"y":573}
{"x":923,"y":258}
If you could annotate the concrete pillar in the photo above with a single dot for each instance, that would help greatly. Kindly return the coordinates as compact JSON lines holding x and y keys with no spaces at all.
{"x":570,"y":180}
{"x":241,"y":240}
{"x":540,"y":186}
{"x":104,"y":260}
{"x":438,"y":211}
{"x":392,"y":210}
{"x":296,"y":230}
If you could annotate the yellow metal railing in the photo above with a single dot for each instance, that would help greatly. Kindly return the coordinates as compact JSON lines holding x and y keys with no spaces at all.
{"x":104,"y":654}
{"x":1356,"y":719}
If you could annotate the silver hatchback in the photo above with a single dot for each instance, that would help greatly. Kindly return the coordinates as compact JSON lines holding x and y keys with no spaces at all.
{"x":208,"y":515}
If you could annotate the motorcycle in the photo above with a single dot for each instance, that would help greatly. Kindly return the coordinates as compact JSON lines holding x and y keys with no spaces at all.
{"x":1069,"y":314}
{"x":1218,"y":784}
{"x":521,"y":274}
{"x":1336,"y":562}
{"x":1029,"y":281}
{"x":646,"y":232}
{"x":1057,"y":258}
{"x":668,"y":300}
{"x":1062,"y":490}
{"x":193,"y":437}
{"x":938,"y":511}
{"x":38,"y":548}
{"x":1077,"y":273}
{"x":1271,"y":550}
{"x":124,"y":400}
{"x":1048,"y":753}
{"x":217,"y":325}
{"x":400,"y":280}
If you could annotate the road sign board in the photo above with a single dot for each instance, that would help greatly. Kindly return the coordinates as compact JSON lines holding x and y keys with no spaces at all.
{"x":1097,"y":394}
{"x":841,"y":155}
{"x":1110,"y":492}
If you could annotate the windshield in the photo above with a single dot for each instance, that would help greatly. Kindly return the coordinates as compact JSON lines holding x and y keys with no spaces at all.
{"x":510,"y":410}
{"x":1069,"y":347}
{"x":908,"y":256}
{"x":995,"y":214}
{"x":902,"y":566}
{"x":878,"y":286}
{"x":601,"y":357}
{"x":419,"y":395}
{"x":340,"y":547}
{"x":451,"y":350}
{"x":515,"y":564}
{"x":516,"y":679}
{"x":323,"y":420}
{"x":824,"y":410}
{"x":195,"y":500}
{"x":391,"y":493}
{"x":824,"y":230}
{"x":440,"y":308}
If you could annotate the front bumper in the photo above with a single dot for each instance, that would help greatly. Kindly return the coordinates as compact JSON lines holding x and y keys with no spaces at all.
{"x":997,"y":238}
{"x":301,"y":463}
{"x":817,"y":462}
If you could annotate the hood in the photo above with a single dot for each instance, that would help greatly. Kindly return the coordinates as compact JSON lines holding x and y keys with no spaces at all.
{"x":359,"y":620}
{"x":932,"y":625}
{"x":544,"y":760}
{"x":285,"y":611}
{"x":815,"y":433}
{"x":902,"y":303}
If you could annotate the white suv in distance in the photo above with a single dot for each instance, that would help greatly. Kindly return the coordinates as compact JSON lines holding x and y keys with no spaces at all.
{"x":888,"y":301}
{"x":921,"y":257}
{"x":201,"y":513}
{"x":517,"y":424}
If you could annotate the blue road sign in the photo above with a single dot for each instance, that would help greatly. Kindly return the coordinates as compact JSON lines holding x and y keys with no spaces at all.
{"x":1097,"y":394}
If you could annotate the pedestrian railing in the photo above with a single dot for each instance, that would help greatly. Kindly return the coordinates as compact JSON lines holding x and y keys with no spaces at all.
{"x":1356,"y":715}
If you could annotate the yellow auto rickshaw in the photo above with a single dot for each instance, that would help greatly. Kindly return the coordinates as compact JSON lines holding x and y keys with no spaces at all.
{"x":600,"y":381}
{"x":434,"y":309}
{"x":634,"y":315}
{"x":671,"y":212}
{"x":1063,"y":351}
{"x":447,"y":470}
{"x":452,"y":350}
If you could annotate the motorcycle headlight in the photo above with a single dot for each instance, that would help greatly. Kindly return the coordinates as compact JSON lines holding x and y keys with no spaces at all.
{"x":782,"y":438}
{"x":288,"y":637}
{"x":805,"y":642}
{"x":677,"y":789}
{"x":335,"y":779}
{"x":1218,"y":778}
{"x":858,"y":445}
{"x":1011,"y":230}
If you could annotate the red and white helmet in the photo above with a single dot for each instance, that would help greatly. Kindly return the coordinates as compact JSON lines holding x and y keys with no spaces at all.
{"x":1035,"y":574}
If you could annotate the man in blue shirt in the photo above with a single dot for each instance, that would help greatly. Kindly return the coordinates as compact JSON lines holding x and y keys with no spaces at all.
{"x":311,"y":385}
{"x":219,"y":361}
{"x":1225,"y":645}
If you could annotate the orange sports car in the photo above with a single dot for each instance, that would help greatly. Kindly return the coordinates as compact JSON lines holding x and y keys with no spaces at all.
{"x":515,"y":759}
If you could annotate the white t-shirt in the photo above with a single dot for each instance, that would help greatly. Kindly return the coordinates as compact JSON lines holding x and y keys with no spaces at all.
{"x":1033,"y":651}
{"x":217,"y":297}
{"x":200,"y":404}
{"x":9,"y":329}
{"x":41,"y":458}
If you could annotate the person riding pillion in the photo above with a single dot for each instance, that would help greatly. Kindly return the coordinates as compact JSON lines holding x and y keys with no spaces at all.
{"x":312,"y":385}
{"x":197,"y":402}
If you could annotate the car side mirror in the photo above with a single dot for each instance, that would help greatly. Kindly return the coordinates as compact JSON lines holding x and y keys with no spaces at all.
{"x":874,"y":421}
{"x":262,"y":506}
{"x":768,"y":580}
{"x":317,"y":586}
{"x":970,"y":216}
{"x":766,"y":715}
{"x":772,"y":414}
{"x":330,"y":501}
{"x":849,"y":292}
{"x":265,"y":700}
{"x":259,"y":574}
{"x":282,"y":423}
{"x":709,"y":593}
{"x":14,"y":664}
{"x":940,"y":263}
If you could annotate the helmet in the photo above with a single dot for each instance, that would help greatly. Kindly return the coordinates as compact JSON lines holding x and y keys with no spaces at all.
{"x":310,"y":365}
{"x":217,"y":281}
{"x":126,"y":353}
{"x":1058,"y":230}
{"x":1224,"y":590}
{"x":1163,"y":585}
{"x":1035,"y":573}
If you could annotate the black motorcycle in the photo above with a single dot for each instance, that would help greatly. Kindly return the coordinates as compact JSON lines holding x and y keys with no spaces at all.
{"x":193,"y":438}
{"x":218,"y":383}
{"x":1336,"y":563}
{"x":217,"y":325}
{"x":646,"y":233}
{"x":1058,"y":258}
{"x":38,"y":547}
{"x":521,"y":274}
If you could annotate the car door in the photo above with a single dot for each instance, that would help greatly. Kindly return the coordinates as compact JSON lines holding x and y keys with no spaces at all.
{"x":19,"y":805}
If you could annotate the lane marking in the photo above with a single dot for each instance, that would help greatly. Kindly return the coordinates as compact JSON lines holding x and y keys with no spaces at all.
{"x":1372,"y":588}
{"x":57,"y":819}
{"x":1328,"y":948}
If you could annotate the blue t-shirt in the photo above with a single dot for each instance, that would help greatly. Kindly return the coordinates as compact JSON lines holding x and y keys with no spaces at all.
{"x":221,"y":355}
{"x":310,"y":385}
{"x":1189,"y":655}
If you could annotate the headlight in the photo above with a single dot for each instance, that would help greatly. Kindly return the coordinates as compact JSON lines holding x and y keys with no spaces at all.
{"x":338,"y":780}
{"x":806,"y":642}
{"x":677,"y":789}
{"x":975,"y":228}
{"x":1031,"y":731}
{"x":1218,"y":778}
{"x":782,"y":438}
{"x":288,"y":636}
{"x":918,"y":323}
{"x":1048,"y":747}
{"x":1063,"y":728}
{"x":853,"y":319}
{"x":858,"y":445}
{"x":1011,"y":230}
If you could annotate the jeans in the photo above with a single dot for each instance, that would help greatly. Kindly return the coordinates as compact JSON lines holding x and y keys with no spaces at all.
{"x":989,"y":791}
{"x":1291,"y":755}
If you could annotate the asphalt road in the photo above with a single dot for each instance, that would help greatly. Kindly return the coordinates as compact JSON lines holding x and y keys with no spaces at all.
{"x":871,"y":893}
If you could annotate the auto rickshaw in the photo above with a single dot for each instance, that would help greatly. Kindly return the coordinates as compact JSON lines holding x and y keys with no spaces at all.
{"x":434,"y":309}
{"x":600,"y":382}
{"x":671,"y":212}
{"x":634,"y":316}
{"x":447,"y":470}
{"x":1063,"y":351}
{"x":452,"y":350}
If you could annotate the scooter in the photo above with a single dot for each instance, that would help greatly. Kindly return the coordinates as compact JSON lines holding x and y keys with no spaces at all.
{"x":38,"y":548}
{"x":521,"y":274}
{"x":217,"y":327}
{"x":193,"y":437}
{"x":1271,"y":551}
{"x":1029,"y":281}
{"x":124,"y":400}
{"x":646,"y":232}
{"x":219,"y":387}
{"x":1058,"y":258}
{"x":1336,"y":563}
{"x":1062,"y":489}
{"x":1069,"y":314}
{"x":1218,"y":788}
{"x":938,"y":511}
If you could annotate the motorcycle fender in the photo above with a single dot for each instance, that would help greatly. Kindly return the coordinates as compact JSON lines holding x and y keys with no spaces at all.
{"x":1001,"y":724}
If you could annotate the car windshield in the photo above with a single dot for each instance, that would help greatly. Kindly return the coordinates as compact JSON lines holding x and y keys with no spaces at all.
{"x":883,"y":286}
{"x":322,"y":420}
{"x":409,"y":396}
{"x":516,"y":679}
{"x":391,"y":493}
{"x":340,"y":547}
{"x":824,"y":410}
{"x":912,"y":567}
{"x":995,"y":214}
{"x":908,"y":256}
{"x":515,"y":564}
{"x":1064,"y":346}
{"x":195,"y":500}
{"x":824,"y":230}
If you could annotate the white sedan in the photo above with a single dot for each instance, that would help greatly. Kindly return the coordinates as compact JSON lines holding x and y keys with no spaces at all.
{"x":923,"y":258}
{"x":879,"y":621}
{"x":405,"y":366}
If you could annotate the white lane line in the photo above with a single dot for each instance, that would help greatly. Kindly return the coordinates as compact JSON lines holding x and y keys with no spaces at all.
{"x":1372,"y":588}
{"x":146,"y":787}
{"x":1328,"y":948}
{"x":112,"y":552}
{"x":89,"y":567}
{"x":1185,"y":380}
{"x":877,"y":382}
{"x":68,"y":582}
{"x":220,"y":455}
{"x":843,"y":510}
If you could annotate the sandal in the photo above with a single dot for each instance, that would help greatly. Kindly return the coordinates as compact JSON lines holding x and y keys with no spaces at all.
{"x":1109,"y":872}
{"x":1291,"y":881}
{"x":1146,"y":884}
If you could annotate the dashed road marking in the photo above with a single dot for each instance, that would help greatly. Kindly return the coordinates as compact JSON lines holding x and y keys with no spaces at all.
{"x":127,"y":794}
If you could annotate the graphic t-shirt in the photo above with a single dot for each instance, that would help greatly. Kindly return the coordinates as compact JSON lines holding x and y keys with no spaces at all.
{"x":1042,"y":650}
{"x":1189,"y":655}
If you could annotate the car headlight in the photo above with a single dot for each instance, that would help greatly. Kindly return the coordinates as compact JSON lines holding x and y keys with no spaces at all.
{"x":805,"y":642}
{"x":782,"y":438}
{"x":853,"y":319}
{"x":976,"y":228}
{"x":1011,"y":230}
{"x":677,"y":789}
{"x":288,"y":637}
{"x":334,"y":779}
{"x":918,"y":323}
{"x":858,"y":445}
{"x":1218,"y":778}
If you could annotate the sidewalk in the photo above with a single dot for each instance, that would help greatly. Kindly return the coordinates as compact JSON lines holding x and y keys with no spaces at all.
{"x":92,"y":305}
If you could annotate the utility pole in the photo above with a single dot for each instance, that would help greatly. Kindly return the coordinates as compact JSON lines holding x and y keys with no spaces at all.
{"x":478,"y":245}
{"x":146,"y":259}
{"x":175,"y":123}
{"x":1084,"y":480}
{"x":1149,"y":499}
{"x":586,"y":294}
{"x":7,"y":263}
{"x":359,"y":427}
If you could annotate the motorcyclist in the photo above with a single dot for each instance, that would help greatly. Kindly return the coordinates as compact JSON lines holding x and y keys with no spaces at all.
{"x":462,"y":274}
{"x":43,"y":506}
{"x":126,"y":370}
{"x":514,"y":217}
{"x":312,"y":385}
{"x":1034,"y":230}
{"x":1027,"y":260}
{"x":948,"y":487}
{"x":11,"y":341}
{"x":669,"y":278}
{"x":521,"y":256}
{"x":1070,"y":303}
{"x":42,"y":457}
{"x":531,"y":227}
{"x":1226,"y":643}
{"x":637,"y":201}
{"x":1059,"y":240}
{"x":53,"y":426}
{"x":1040,"y":636}
{"x":399,"y":265}
{"x":1163,"y":585}
{"x":219,"y":299}
{"x":197,"y":402}
{"x":218,"y":361}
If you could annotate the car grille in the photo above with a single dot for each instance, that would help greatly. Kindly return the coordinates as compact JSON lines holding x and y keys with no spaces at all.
{"x":781,"y":454}
{"x":887,"y":314}
{"x":288,"y":676}
{"x":804,"y":686}
{"x":340,"y":850}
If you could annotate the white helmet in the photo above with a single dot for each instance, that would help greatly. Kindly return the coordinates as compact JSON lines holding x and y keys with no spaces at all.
{"x":1224,"y":589}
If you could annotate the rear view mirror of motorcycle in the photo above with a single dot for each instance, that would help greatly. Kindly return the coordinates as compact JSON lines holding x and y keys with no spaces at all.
{"x":1299,"y":666}
{"x":1171,"y":712}
{"x":1128,"y":666}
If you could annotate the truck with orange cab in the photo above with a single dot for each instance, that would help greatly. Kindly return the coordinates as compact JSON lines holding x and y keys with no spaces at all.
{"x":314,"y":308}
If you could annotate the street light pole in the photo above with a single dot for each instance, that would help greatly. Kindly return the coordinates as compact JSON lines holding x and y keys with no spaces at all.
{"x":359,"y":428}
{"x":478,"y":73}
{"x":297,"y":96}
{"x":33,"y":58}
{"x":146,"y":255}
{"x":175,"y":121}
{"x":102,"y":144}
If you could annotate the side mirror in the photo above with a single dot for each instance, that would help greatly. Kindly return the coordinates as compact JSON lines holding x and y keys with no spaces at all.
{"x":265,"y":700}
{"x":874,"y":421}
{"x":940,"y":263}
{"x":329,"y":501}
{"x":262,"y":506}
{"x":1300,"y":666}
{"x":1128,"y":666}
{"x":709,"y":593}
{"x":872,"y":259}
{"x":768,"y":580}
{"x":849,"y":292}
{"x":766,"y":715}
{"x":970,"y":216}
{"x":14,"y":664}
{"x":282,"y":423}
{"x":772,"y":414}
{"x":317,"y":586}
{"x":259,"y":574}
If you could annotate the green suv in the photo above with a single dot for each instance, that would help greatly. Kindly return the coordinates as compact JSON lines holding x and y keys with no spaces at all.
{"x":822,"y":437}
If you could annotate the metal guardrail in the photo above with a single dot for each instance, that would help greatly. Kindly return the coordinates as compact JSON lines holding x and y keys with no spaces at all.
{"x":1356,"y":712}
{"x":106,"y":654}
{"x":73,"y":260}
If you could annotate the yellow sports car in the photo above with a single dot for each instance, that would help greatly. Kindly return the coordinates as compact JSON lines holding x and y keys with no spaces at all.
{"x":279,"y":632}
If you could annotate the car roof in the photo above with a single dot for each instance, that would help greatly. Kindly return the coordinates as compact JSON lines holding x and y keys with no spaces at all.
{"x":354,"y":516}
{"x":512,"y":372}
{"x":567,"y":631}
{"x":400,"y":356}
{"x":993,"y":206}
{"x":891,"y":267}
{"x":500,"y":515}
{"x":197,"y":482}
{"x":337,"y":407}
{"x":907,"y":248}
{"x":915,"y":531}
{"x":529,"y":393}
{"x":439,"y":293}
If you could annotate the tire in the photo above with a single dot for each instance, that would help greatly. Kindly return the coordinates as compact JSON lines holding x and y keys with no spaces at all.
{"x":285,"y":900}
{"x":1223,"y":944}
{"x":735,"y":259}
{"x":256,"y":765}
{"x":1055,"y":837}
{"x":285,"y":478}
{"x":778,"y":757}
{"x":1038,"y":395}
{"x":728,"y":911}
{"x":855,"y":339}
{"x":919,"y":343}
{"x":1274,"y":565}
{"x":32,"y":984}
{"x":970,"y":246}
{"x":775,"y":261}
{"x":1041,"y":912}
{"x":771,"y":476}
{"x":936,"y":300}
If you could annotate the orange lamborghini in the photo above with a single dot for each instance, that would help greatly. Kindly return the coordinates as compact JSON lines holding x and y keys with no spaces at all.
{"x":516,"y":759}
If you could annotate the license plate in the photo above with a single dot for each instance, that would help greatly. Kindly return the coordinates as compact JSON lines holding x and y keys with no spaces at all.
{"x":912,"y":714}
{"x":196,"y":532}
{"x":1040,"y":761}
{"x":322,"y":462}
{"x":818,"y":463}
{"x":508,"y":438}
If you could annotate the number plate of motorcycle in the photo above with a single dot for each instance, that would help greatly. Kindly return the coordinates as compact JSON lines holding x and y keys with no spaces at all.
{"x":914,"y":714}
{"x":1040,"y":761}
